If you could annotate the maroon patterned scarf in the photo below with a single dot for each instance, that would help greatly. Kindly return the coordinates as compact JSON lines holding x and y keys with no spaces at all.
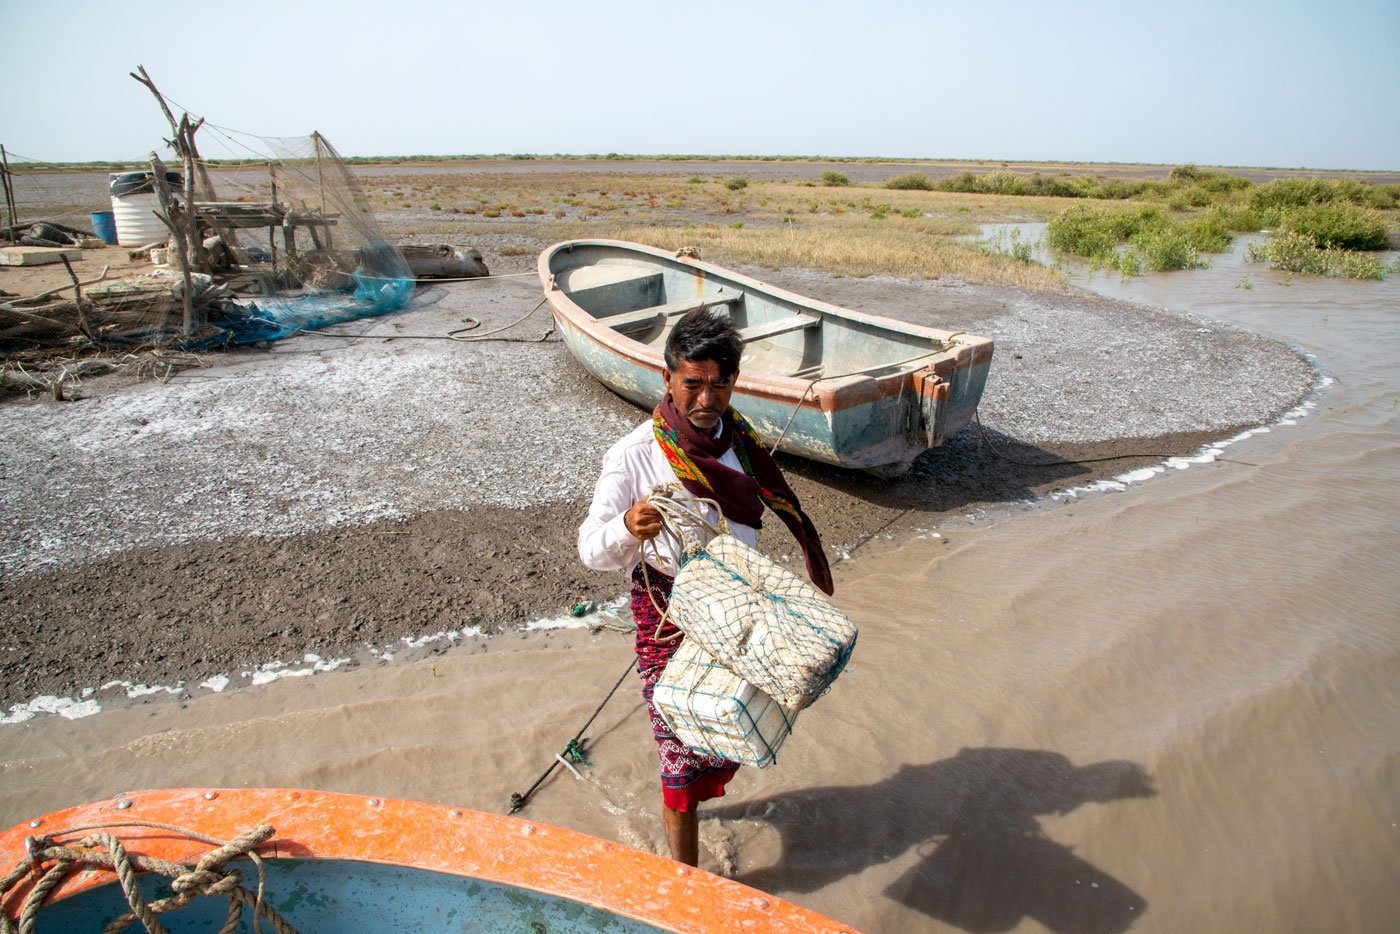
{"x":694,"y":456}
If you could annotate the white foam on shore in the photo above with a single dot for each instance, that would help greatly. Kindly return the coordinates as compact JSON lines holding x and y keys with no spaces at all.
{"x":570,"y":621}
{"x":1208,"y":454}
{"x":142,"y":690}
{"x":275,"y":671}
{"x":417,"y":642}
{"x":69,"y":708}
{"x":85,"y":705}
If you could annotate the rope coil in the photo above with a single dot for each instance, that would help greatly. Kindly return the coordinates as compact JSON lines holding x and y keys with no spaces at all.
{"x":674,"y":517}
{"x":105,"y":851}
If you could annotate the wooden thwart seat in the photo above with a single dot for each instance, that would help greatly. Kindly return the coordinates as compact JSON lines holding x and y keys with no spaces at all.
{"x":645,"y":317}
{"x":760,"y":332}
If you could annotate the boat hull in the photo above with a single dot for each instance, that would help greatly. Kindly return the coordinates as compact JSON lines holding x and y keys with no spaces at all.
{"x":881,"y":418}
{"x":347,"y":862}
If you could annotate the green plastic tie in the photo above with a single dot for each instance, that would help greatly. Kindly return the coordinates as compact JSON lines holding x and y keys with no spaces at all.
{"x":573,"y":751}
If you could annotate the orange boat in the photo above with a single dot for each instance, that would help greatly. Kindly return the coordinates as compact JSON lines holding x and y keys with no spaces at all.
{"x":332,"y":862}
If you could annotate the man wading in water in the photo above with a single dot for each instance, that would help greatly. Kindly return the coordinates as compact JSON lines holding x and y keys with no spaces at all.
{"x":695,"y":439}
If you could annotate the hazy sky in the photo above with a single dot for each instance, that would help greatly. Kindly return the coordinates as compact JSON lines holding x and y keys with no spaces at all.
{"x":1279,"y":83}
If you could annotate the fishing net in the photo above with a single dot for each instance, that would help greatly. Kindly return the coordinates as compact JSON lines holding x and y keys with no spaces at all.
{"x":759,"y":620}
{"x":714,"y":711}
{"x":762,"y":621}
{"x":285,"y":244}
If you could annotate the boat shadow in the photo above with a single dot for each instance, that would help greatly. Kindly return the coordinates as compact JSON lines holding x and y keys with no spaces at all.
{"x":978,"y":467}
{"x":984,"y":863}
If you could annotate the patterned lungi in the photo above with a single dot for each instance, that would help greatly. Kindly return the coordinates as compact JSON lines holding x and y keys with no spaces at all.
{"x":687,"y":778}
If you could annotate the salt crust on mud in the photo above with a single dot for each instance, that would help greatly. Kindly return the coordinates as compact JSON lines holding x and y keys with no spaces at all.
{"x":322,"y":432}
{"x":298,"y":442}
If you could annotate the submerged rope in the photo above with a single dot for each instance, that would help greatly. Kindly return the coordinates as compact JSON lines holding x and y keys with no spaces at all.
{"x":573,"y":749}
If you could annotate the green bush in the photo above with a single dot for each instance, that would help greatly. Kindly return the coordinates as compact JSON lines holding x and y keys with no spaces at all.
{"x":1285,"y":193}
{"x":737,"y":184}
{"x":1222,"y":183}
{"x":1164,"y":248}
{"x":835,"y":180}
{"x":1082,"y":231}
{"x":1006,"y":183}
{"x":1275,"y":198}
{"x":1129,"y":263}
{"x":1198,"y":196}
{"x":1158,"y":241}
{"x":913,"y":181}
{"x":1050,"y":186}
{"x":1207,"y":234}
{"x":1240,"y":218}
{"x":962,"y":182}
{"x":1297,"y":252}
{"x":1338,"y":224}
{"x":1121,"y":190}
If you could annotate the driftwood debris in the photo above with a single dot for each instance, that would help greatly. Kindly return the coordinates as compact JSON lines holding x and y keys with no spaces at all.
{"x":52,"y":375}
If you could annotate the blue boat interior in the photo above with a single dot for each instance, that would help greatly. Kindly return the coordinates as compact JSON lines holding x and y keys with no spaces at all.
{"x":335,"y":896}
{"x":781,"y":338}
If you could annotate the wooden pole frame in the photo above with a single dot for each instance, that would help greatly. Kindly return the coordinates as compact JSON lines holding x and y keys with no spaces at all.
{"x":178,"y":235}
{"x":186,"y":149}
{"x":9,"y":187}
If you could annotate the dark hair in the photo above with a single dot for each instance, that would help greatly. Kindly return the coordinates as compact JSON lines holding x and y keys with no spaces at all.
{"x":700,"y":335}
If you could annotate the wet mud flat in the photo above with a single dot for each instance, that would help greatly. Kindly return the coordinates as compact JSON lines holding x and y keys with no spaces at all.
{"x":338,"y":493}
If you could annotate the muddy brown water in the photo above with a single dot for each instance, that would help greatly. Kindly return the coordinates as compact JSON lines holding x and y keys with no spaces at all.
{"x":1171,"y":708}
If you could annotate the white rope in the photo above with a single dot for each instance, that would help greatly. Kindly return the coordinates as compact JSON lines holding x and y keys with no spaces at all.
{"x":675,"y":515}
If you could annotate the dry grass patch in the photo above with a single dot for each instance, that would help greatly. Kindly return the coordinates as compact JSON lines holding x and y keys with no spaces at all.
{"x":844,"y":252}
{"x":854,"y":231}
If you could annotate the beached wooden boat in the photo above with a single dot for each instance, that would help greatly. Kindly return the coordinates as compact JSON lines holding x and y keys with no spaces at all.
{"x":860,"y":390}
{"x":337,"y":863}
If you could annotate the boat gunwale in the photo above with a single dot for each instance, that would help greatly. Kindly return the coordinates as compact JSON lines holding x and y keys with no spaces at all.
{"x":510,"y":851}
{"x":826,"y":393}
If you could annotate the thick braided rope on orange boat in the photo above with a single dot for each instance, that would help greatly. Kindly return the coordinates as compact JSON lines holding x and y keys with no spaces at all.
{"x":105,"y":851}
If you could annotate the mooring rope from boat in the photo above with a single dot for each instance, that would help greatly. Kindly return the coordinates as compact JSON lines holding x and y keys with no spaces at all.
{"x":450,"y":335}
{"x":100,"y":850}
{"x":573,"y":749}
{"x":432,"y":279}
{"x":812,"y":383}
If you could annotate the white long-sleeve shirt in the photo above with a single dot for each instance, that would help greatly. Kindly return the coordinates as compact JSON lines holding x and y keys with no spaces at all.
{"x":631,"y":468}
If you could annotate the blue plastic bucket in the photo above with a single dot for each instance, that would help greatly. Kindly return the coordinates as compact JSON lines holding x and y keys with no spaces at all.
{"x":104,"y":224}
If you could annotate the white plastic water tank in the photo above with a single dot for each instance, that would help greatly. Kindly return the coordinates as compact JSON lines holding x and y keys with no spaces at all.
{"x":134,"y":205}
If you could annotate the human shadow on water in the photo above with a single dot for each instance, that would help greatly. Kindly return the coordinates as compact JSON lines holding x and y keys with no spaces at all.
{"x":985,"y":863}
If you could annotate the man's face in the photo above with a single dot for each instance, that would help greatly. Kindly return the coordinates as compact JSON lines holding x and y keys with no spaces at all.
{"x":700,"y":390}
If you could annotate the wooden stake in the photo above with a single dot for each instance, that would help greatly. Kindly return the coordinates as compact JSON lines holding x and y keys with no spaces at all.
{"x":271,"y":232}
{"x":198,"y":259}
{"x":185,"y":148}
{"x":9,"y":190}
{"x":320,"y":175}
{"x":78,"y":296}
{"x":167,"y":201}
